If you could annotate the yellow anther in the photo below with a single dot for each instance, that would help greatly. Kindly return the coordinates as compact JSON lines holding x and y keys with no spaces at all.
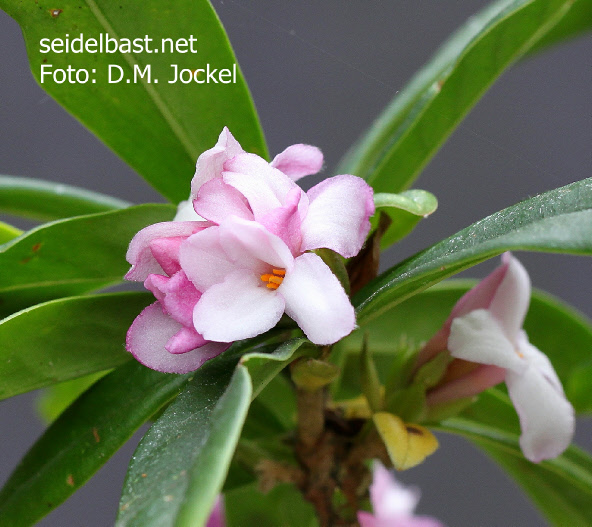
{"x":273,"y":280}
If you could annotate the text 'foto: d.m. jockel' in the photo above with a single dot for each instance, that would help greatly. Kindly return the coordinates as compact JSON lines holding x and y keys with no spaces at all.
{"x":238,"y":256}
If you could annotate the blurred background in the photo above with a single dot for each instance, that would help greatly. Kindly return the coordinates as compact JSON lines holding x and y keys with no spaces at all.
{"x":319,"y":73}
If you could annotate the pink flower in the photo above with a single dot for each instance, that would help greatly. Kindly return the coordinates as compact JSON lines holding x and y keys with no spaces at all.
{"x":485,"y":328}
{"x":163,"y":336}
{"x":254,"y":265}
{"x":392,"y":503}
{"x":237,"y":257}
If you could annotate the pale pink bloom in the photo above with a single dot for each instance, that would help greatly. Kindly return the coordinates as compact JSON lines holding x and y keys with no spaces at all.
{"x":249,"y":278}
{"x":333,"y":214}
{"x":216,"y":518}
{"x":485,"y":327}
{"x":393,"y":504}
{"x":163,"y":336}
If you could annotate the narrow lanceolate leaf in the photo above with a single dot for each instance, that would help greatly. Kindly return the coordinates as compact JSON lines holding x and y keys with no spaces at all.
{"x":576,"y":22}
{"x":558,"y":221}
{"x":82,"y":439}
{"x":561,"y":487}
{"x":180,"y":466}
{"x":420,"y":118}
{"x":64,"y":339}
{"x":559,"y":331}
{"x":405,"y":209}
{"x":155,"y":124}
{"x":45,"y":200}
{"x":70,"y":257}
{"x":8,"y":232}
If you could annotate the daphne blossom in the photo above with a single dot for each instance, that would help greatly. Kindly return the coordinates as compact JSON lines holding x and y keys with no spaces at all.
{"x":392,"y":503}
{"x":485,"y":328}
{"x":238,"y":255}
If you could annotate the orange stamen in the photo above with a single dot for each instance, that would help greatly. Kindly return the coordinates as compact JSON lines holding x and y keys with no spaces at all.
{"x":274,"y":280}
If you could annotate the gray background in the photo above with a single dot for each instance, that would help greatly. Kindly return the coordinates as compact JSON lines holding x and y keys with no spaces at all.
{"x":319,"y":73}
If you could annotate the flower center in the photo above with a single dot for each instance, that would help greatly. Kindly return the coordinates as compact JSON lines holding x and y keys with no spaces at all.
{"x":274,"y":279}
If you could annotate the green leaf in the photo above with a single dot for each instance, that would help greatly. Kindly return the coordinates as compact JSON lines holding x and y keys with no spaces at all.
{"x":55,"y":399}
{"x":557,"y":221}
{"x":420,"y":118}
{"x":561,"y":332}
{"x":283,"y":506}
{"x":158,"y":128}
{"x":561,"y":487}
{"x":405,"y":210}
{"x":44,"y":200}
{"x":82,"y":439}
{"x":186,"y":454}
{"x":70,"y":257}
{"x":577,"y":21}
{"x":8,"y":232}
{"x":64,"y":339}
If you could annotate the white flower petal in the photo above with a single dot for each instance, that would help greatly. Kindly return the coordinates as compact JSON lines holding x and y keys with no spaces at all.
{"x":298,"y":161}
{"x":478,"y":337}
{"x":265,"y":187}
{"x":186,"y":212}
{"x":241,"y":307}
{"x":337,"y":216}
{"x":389,"y":498}
{"x":510,"y":302}
{"x":204,"y":260}
{"x":316,"y":300}
{"x":249,"y":244}
{"x":546,"y":417}
{"x":150,"y":332}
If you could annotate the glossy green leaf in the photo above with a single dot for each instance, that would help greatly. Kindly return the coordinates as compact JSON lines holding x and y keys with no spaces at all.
{"x":557,"y":221}
{"x":53,"y":400}
{"x":577,"y":21}
{"x":283,"y":506}
{"x":180,"y":465}
{"x":82,"y":439}
{"x":8,"y":232}
{"x":405,"y":210}
{"x":158,"y":128}
{"x":561,"y":487}
{"x":420,"y":118}
{"x":64,"y":339}
{"x":558,"y":330}
{"x":45,"y":200}
{"x":72,"y":256}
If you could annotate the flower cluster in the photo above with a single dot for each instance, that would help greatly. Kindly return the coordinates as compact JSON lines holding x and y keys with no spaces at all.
{"x":238,"y":256}
{"x":484,"y":335}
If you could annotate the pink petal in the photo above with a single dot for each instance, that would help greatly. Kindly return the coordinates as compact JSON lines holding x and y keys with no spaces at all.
{"x":241,"y":307}
{"x":166,"y":253}
{"x":473,"y":383}
{"x":298,"y":161}
{"x":316,"y":300}
{"x":546,"y":417}
{"x":252,"y":246}
{"x":265,"y":187}
{"x":186,"y":339}
{"x":211,"y":163}
{"x":150,"y":332}
{"x":216,"y":518}
{"x":338,"y":214}
{"x":510,"y":302}
{"x":204,"y":260}
{"x":389,"y":498}
{"x":216,"y":201}
{"x":285,"y":222}
{"x":139,"y":253}
{"x":177,"y":295}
